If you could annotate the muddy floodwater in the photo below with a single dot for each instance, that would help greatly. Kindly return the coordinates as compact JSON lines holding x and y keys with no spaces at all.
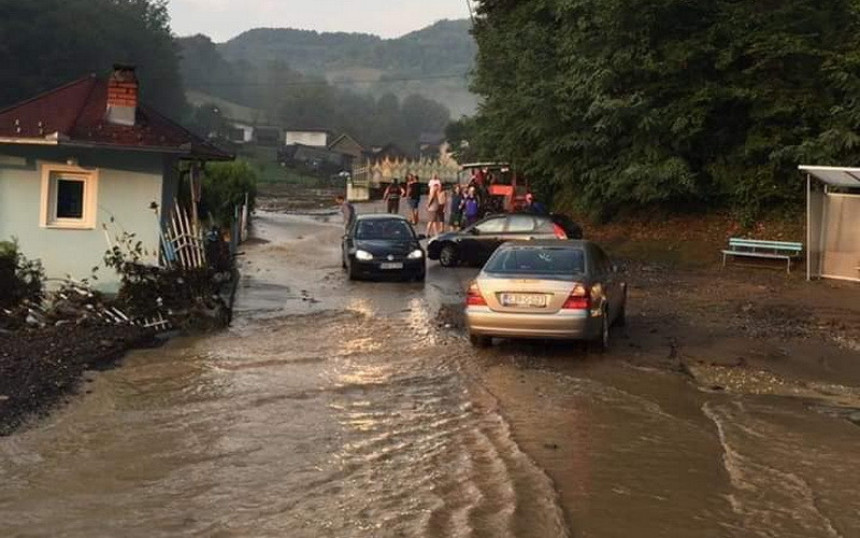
{"x":340,"y":409}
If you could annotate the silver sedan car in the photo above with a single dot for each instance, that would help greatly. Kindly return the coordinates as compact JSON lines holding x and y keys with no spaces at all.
{"x":546,"y":289}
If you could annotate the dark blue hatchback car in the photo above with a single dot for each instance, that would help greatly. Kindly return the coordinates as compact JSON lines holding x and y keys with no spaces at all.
{"x":383,"y":246}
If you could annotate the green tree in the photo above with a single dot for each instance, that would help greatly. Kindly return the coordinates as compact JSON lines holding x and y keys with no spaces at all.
{"x":676,"y":103}
{"x":48,"y":43}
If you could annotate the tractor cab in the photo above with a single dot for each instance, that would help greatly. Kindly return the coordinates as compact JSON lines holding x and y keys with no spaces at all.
{"x":504,"y":189}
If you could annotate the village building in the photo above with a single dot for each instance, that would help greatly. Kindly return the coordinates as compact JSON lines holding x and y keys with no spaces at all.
{"x":317,"y":138}
{"x":241,"y":133}
{"x":347,"y":145}
{"x":85,"y":161}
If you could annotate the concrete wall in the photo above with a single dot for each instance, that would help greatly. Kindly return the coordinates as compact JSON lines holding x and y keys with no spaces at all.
{"x":307,"y":138}
{"x":128,"y":184}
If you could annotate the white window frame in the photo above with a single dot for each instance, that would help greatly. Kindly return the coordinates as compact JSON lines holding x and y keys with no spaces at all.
{"x":52,"y":172}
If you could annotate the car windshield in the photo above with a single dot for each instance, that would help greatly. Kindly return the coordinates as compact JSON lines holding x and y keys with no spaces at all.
{"x":537,"y":261}
{"x":394,"y":229}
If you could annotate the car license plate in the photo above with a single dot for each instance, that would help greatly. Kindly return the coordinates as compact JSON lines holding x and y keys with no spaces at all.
{"x":528,"y":300}
{"x":390,"y":266}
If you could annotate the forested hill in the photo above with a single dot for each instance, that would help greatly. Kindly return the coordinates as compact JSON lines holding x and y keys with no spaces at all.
{"x":445,"y":47}
{"x":433,"y":61}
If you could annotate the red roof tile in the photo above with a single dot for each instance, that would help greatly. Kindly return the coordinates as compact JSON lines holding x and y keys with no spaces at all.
{"x":77,"y":112}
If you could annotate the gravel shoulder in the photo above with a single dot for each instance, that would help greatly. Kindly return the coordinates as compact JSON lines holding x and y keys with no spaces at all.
{"x":39,"y":369}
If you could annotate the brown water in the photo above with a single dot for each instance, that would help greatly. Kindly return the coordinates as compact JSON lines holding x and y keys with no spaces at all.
{"x":339,"y":409}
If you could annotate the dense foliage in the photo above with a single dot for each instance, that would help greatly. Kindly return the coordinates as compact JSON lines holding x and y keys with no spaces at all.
{"x":295,"y":100}
{"x":225,"y":186}
{"x":21,"y":279}
{"x":613,"y":104}
{"x":48,"y":43}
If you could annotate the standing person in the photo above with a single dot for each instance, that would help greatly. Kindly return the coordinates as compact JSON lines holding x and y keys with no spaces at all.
{"x":413,"y":197}
{"x":347,"y":210}
{"x":456,"y":211}
{"x":471,"y":208}
{"x":439,"y":217}
{"x":392,"y":196}
{"x":433,"y":203}
{"x":434,"y":182}
{"x":533,"y":206}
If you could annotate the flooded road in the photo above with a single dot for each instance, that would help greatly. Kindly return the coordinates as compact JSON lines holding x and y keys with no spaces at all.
{"x":353,"y":409}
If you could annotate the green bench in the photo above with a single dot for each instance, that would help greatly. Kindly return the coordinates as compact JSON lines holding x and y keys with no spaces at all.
{"x":753,"y":248}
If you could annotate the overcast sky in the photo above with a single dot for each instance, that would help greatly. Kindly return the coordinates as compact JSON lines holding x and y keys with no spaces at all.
{"x":225,"y":19}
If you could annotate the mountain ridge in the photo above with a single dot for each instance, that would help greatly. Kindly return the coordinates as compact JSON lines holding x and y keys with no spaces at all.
{"x":433,"y":61}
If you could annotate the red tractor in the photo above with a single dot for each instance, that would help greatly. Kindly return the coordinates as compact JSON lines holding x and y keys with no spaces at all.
{"x":505,"y":191}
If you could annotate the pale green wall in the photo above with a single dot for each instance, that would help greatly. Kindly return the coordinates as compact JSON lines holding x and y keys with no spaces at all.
{"x":128,"y":183}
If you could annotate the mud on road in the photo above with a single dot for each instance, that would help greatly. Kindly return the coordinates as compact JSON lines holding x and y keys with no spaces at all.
{"x":725,"y":408}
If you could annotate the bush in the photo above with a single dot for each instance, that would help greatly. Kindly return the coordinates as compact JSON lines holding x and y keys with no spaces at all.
{"x":20,"y":279}
{"x":225,"y":186}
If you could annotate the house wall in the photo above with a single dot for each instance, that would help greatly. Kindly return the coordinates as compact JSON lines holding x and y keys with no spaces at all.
{"x":246,"y":133}
{"x":128,"y":184}
{"x":348,"y":146}
{"x":307,"y":138}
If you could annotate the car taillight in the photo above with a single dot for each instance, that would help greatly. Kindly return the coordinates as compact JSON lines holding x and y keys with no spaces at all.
{"x":558,"y":231}
{"x":579,"y":299}
{"x":474,"y":297}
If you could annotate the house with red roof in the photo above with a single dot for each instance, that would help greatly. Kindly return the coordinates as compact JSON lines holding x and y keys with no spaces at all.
{"x":87,"y":158}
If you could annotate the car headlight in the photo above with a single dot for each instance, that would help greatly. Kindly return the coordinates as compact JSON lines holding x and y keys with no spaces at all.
{"x":363,"y":255}
{"x":416,"y":254}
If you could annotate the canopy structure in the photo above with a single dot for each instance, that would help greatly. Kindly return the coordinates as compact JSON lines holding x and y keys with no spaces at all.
{"x":832,"y":222}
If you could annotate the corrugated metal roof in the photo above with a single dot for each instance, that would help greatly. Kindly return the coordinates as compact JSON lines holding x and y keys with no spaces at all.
{"x":834,"y":175}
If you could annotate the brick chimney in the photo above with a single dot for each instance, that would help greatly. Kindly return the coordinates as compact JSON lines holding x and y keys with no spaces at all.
{"x":122,"y":95}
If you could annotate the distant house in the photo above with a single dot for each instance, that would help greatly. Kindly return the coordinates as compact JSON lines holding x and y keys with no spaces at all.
{"x":347,"y":145}
{"x":317,"y":138}
{"x":85,"y":156}
{"x":267,"y":135}
{"x":315,"y":158}
{"x":241,"y":133}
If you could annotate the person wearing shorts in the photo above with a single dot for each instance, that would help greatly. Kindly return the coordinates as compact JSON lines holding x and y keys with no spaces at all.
{"x":413,"y":197}
{"x":392,"y":197}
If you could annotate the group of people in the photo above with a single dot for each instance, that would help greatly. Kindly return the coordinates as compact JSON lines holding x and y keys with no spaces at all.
{"x":463,"y":205}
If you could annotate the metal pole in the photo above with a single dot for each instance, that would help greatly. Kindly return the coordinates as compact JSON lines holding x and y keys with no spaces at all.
{"x":808,"y":227}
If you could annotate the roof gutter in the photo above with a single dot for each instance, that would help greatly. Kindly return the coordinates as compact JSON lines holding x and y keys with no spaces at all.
{"x":182,"y":152}
{"x":29,"y":141}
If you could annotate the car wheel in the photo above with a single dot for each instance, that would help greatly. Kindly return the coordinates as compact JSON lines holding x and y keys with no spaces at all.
{"x":621,"y":318}
{"x":601,"y":343}
{"x":478,"y":340}
{"x":352,"y":273}
{"x":448,"y":256}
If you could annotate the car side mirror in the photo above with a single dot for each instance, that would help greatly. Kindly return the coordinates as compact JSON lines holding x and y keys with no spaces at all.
{"x":474,"y":231}
{"x":422,"y":237}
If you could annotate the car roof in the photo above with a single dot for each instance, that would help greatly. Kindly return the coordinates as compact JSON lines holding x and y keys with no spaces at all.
{"x":381,"y":216}
{"x":546,"y":243}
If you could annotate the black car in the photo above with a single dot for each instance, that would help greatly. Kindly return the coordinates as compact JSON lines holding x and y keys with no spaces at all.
{"x":383,"y":246}
{"x":475,"y":244}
